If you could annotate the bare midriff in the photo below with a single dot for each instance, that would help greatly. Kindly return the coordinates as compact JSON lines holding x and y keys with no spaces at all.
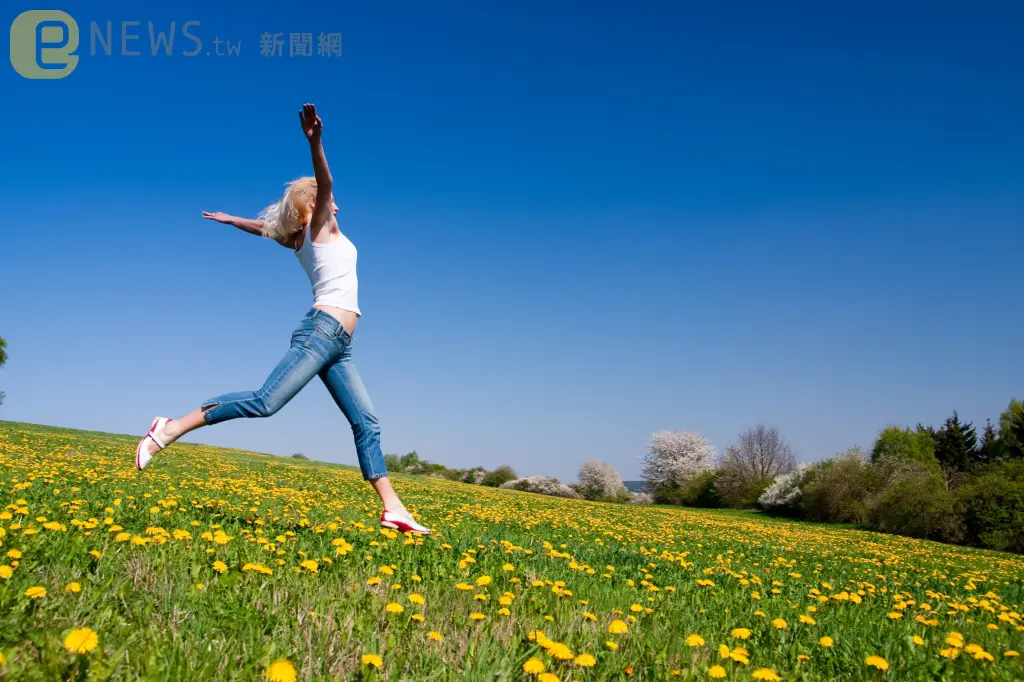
{"x":347,"y":318}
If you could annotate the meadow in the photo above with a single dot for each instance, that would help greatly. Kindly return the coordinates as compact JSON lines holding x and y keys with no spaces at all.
{"x":217,"y":564}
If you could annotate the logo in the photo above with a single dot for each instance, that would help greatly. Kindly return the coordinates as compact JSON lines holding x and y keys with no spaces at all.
{"x":42,"y":43}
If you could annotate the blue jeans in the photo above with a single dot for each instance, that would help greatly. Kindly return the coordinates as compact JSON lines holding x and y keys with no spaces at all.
{"x":320,"y":346}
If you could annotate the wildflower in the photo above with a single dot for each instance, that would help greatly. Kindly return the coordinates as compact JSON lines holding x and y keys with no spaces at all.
{"x":877,"y":662}
{"x":477,"y":616}
{"x":694,"y":640}
{"x":533,"y":667}
{"x":585,"y":660}
{"x":955,"y":639}
{"x":804,"y":618}
{"x":560,"y":651}
{"x":35,"y":592}
{"x":436,"y":636}
{"x":310,"y":565}
{"x":917,"y":640}
{"x":950,"y":653}
{"x":372,"y":660}
{"x":508,"y":567}
{"x":825,"y":642}
{"x":220,"y":566}
{"x":612,"y":645}
{"x":618,"y":627}
{"x":416,"y":598}
{"x":1010,"y":653}
{"x":483,"y":580}
{"x":6,"y":572}
{"x":81,"y":641}
{"x":547,"y":677}
{"x":394,"y":607}
{"x":780,"y":624}
{"x":14,"y":554}
{"x":418,"y":617}
{"x":766,"y":674}
{"x":741,"y":633}
{"x":73,"y":587}
{"x":281,"y":670}
{"x":375,"y":580}
{"x":716,"y":671}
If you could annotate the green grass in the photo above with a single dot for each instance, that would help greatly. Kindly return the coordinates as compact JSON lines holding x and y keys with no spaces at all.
{"x":566,"y":568}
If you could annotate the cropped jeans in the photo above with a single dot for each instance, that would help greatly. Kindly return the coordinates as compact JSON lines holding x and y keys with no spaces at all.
{"x":320,"y":347}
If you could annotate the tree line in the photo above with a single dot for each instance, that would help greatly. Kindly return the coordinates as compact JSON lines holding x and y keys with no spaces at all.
{"x":946,"y":483}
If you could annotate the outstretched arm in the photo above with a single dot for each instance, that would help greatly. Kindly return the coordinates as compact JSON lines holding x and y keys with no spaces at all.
{"x":323,"y":213}
{"x":245,"y":224}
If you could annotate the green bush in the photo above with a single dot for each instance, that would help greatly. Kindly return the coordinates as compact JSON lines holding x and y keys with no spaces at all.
{"x":740,"y":493}
{"x":839,"y":489}
{"x":699,"y":491}
{"x":502,"y":474}
{"x":917,"y":503}
{"x":993,"y":507}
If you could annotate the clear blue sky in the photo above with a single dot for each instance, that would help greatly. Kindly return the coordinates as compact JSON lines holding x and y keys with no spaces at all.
{"x":577,"y":223}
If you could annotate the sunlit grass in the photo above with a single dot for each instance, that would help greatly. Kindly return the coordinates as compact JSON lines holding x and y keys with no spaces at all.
{"x":223,"y":565}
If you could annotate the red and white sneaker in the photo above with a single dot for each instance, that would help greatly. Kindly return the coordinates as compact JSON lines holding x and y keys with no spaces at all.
{"x":402,"y":523}
{"x":142,"y":456}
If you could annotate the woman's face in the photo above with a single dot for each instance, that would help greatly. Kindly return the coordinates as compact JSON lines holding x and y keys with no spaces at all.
{"x":334,"y":206}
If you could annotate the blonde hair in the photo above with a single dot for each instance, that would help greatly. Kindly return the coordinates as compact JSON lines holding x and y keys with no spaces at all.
{"x":292,"y":212}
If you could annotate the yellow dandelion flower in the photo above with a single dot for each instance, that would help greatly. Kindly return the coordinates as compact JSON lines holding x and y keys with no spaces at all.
{"x":372,"y":660}
{"x":483,"y":580}
{"x":877,"y":662}
{"x":533,"y":667}
{"x":618,"y":627}
{"x":36,"y":592}
{"x":766,"y":674}
{"x":585,"y":661}
{"x":741,"y":633}
{"x":1010,"y":653}
{"x":436,"y":636}
{"x":826,"y":642}
{"x":917,"y":640}
{"x":81,"y":641}
{"x":220,"y":566}
{"x":780,"y":624}
{"x":717,"y":672}
{"x":73,"y":587}
{"x":311,"y":565}
{"x":694,"y":640}
{"x":416,"y":598}
{"x":612,"y":645}
{"x":6,"y":572}
{"x":394,"y":607}
{"x":547,"y":677}
{"x":477,"y":616}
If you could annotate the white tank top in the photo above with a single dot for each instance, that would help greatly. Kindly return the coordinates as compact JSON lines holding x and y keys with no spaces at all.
{"x":332,"y":272}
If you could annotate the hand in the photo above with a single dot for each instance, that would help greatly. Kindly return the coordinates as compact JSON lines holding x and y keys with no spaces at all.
{"x":218,"y":216}
{"x":312,"y":126}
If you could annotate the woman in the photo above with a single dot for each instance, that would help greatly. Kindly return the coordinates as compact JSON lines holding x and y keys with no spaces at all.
{"x":303,"y":220}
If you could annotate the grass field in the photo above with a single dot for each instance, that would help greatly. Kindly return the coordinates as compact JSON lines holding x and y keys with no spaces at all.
{"x":226,"y":565}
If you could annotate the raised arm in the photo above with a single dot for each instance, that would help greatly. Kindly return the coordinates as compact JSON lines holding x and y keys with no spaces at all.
{"x":323,"y":213}
{"x":245,"y":224}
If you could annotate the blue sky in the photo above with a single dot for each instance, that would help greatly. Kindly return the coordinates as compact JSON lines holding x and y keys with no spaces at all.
{"x":578,"y":223}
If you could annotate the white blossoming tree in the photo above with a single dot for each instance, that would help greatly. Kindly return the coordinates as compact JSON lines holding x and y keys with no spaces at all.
{"x":674,"y":457}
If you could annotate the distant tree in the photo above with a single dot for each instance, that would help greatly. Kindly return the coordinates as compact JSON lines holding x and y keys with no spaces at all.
{"x":598,"y":480}
{"x":991,"y":448}
{"x":503,"y":474}
{"x":410,"y":460}
{"x":393,"y":463}
{"x":1011,"y":429}
{"x":299,"y":455}
{"x":3,"y":359}
{"x":749,"y":467}
{"x":674,"y":457}
{"x":956,"y":444}
{"x":896,"y":445}
{"x":760,"y":453}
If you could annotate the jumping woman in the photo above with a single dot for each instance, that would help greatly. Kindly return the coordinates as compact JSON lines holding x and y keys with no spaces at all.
{"x":304,"y":221}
